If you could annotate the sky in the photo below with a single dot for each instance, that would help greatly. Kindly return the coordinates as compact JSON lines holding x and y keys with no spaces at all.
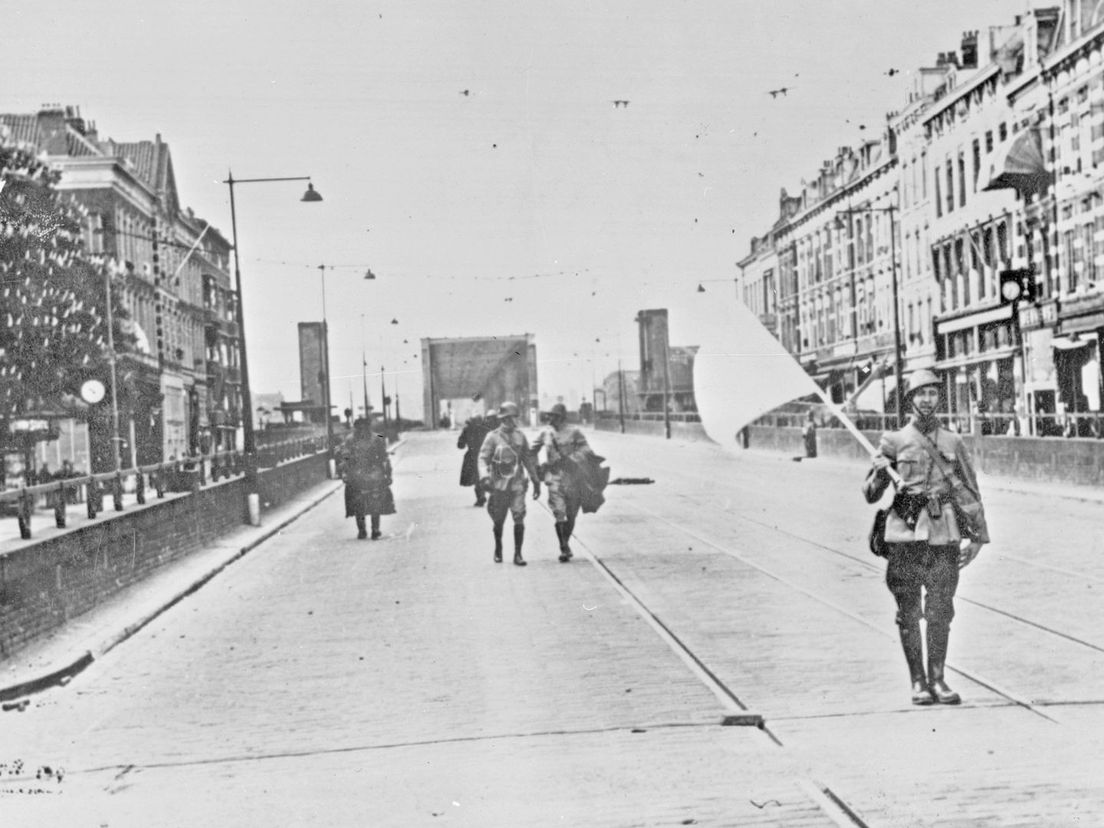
{"x":473,"y":157}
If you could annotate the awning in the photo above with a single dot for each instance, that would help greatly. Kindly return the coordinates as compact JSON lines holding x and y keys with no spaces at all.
{"x":1065,"y":343}
{"x":1018,"y":164}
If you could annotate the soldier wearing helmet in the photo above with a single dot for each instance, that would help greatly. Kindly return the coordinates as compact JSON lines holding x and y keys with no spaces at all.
{"x":565,"y":447}
{"x":505,"y":467}
{"x":935,"y":527}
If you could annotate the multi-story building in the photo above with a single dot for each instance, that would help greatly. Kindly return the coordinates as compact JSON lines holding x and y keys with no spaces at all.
{"x":975,"y":231}
{"x":1064,"y":116}
{"x":994,"y":165}
{"x":834,"y":245}
{"x":178,"y":376}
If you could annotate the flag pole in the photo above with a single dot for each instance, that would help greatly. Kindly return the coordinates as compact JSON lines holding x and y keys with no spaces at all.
{"x":837,"y":412}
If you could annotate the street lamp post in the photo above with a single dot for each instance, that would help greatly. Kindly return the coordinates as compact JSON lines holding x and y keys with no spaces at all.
{"x":249,"y":443}
{"x":331,"y":464}
{"x":115,"y":438}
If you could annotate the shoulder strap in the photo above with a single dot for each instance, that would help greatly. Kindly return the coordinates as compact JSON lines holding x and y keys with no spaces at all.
{"x":933,"y":452}
{"x":940,"y":461}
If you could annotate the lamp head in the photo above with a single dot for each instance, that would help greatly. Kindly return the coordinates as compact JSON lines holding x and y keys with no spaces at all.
{"x":311,"y":194}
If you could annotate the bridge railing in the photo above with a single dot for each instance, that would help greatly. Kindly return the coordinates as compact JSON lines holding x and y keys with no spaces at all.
{"x":133,"y":486}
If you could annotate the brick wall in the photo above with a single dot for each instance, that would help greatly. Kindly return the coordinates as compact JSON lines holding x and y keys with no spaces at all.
{"x":44,"y":584}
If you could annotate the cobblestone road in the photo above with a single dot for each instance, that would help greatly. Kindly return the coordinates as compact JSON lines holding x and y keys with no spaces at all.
{"x":322,"y":680}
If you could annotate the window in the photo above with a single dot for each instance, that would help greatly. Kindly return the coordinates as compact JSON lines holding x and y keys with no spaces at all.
{"x":1072,"y":264}
{"x":1088,"y":266}
{"x":950,"y":186}
{"x":1002,"y":242}
{"x":938,"y":199}
{"x":988,"y":141}
{"x":977,"y":162}
{"x":1098,"y":249}
{"x":961,"y":180}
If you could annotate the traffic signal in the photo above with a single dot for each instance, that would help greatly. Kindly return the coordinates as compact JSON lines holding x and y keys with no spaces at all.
{"x":1017,"y":285}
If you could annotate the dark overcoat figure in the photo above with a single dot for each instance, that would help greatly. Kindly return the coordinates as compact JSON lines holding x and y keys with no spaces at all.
{"x":366,"y":469}
{"x":471,"y":439}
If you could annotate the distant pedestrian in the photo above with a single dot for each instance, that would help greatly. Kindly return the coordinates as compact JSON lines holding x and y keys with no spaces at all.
{"x":505,"y":467}
{"x":471,"y":438}
{"x":366,"y":469}
{"x":809,"y":435}
{"x":566,"y":451}
{"x":936,"y":527}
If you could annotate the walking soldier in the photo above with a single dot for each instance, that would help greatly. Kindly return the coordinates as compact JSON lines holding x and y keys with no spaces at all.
{"x":565,"y":448}
{"x":505,"y":467}
{"x":935,"y":527}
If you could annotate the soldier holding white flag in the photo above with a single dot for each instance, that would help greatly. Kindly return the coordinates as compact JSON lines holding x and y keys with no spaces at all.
{"x":935,"y":527}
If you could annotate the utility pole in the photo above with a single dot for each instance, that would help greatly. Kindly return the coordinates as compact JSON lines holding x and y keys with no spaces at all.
{"x":383,"y":397}
{"x":667,"y":389}
{"x":621,"y":395}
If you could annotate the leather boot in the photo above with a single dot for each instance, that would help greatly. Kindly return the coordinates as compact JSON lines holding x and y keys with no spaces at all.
{"x":938,"y":635}
{"x":914,"y":656}
{"x":362,"y":532}
{"x":498,"y":542}
{"x":376,"y":533}
{"x":563,"y":536}
{"x":519,"y":538}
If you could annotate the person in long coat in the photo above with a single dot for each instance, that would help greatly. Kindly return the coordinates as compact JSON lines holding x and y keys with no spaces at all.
{"x":471,"y":439}
{"x":366,"y":469}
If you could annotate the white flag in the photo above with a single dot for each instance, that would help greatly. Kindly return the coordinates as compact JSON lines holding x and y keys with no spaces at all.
{"x":741,"y":371}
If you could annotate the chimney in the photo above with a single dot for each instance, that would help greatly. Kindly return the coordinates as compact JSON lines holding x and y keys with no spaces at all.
{"x":970,"y":50}
{"x":51,"y":123}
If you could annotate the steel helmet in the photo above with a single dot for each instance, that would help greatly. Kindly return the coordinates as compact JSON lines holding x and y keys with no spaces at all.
{"x":508,"y":409}
{"x":920,"y":379}
{"x":558,"y":410}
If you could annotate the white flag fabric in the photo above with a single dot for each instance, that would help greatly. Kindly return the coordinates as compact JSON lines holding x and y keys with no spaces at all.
{"x":740,"y":371}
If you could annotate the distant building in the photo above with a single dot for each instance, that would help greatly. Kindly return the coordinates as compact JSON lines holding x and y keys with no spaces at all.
{"x":666,"y":371}
{"x":469,"y":375}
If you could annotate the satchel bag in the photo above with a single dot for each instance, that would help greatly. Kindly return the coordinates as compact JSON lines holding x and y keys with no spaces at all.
{"x":964,"y":501}
{"x":877,"y":541}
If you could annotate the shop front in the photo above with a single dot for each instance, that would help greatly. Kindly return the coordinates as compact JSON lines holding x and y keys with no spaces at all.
{"x":979,"y":357}
{"x":1077,"y":357}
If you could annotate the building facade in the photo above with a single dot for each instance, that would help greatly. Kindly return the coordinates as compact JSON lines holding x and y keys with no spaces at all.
{"x":178,"y":379}
{"x":993,"y":167}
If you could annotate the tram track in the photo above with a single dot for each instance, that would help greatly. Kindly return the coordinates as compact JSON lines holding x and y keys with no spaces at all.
{"x":736,"y":712}
{"x":865,"y":564}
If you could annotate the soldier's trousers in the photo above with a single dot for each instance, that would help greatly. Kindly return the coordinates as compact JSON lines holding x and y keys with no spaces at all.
{"x":934,"y":570}
{"x":563,"y":497}
{"x":507,"y":500}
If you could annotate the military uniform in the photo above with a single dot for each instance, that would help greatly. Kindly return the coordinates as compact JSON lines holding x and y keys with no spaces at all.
{"x":924,"y":533}
{"x":505,"y":467}
{"x":564,"y":445}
